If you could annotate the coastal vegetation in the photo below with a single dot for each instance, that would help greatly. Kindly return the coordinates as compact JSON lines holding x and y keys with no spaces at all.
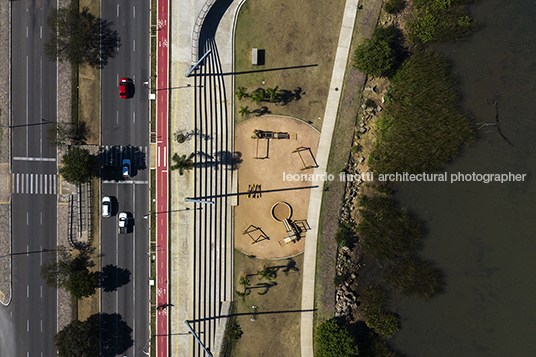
{"x":388,"y":232}
{"x":440,"y":21}
{"x":414,"y":276}
{"x":373,"y":298}
{"x":422,"y":127}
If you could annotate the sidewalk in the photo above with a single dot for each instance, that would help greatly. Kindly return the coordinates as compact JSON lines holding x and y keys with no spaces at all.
{"x":315,"y":201}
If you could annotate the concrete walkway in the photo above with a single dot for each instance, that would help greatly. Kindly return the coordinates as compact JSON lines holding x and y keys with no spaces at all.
{"x":315,"y":201}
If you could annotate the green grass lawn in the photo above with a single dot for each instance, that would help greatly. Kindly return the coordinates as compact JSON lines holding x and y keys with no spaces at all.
{"x":299,"y":40}
{"x":276,"y":330}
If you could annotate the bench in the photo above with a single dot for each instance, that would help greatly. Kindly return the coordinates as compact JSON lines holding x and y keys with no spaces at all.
{"x":254,"y":56}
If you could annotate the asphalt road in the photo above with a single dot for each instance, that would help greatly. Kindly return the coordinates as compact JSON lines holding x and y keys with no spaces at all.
{"x":33,"y":308}
{"x":124,"y":130}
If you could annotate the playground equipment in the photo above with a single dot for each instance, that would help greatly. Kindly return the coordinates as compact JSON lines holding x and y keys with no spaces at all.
{"x":252,"y":229}
{"x":299,"y":150}
{"x":262,"y":134}
{"x":282,"y":212}
{"x":254,"y":191}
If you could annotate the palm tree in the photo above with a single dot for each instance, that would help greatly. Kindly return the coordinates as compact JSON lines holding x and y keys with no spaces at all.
{"x":244,"y":280}
{"x":272,"y":92}
{"x":244,"y":110}
{"x":257,"y":96}
{"x":183,"y":163}
{"x":266,"y":273}
{"x":241,"y":92}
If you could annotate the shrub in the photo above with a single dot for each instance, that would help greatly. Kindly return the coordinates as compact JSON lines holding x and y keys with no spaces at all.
{"x":334,"y":341}
{"x":234,"y":332}
{"x":393,"y":6}
{"x":374,"y":57}
{"x":385,"y":325}
{"x":369,"y":103}
{"x":343,"y":234}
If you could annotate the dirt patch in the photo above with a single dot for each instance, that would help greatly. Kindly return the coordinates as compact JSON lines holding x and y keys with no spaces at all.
{"x":271,"y":173}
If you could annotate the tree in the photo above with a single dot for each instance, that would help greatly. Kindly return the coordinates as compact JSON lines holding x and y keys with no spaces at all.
{"x":101,"y":335}
{"x":183,"y":163}
{"x":70,"y":272}
{"x":266,"y":273}
{"x":244,"y":110}
{"x":82,"y":284}
{"x":59,"y":134}
{"x":79,"y":37}
{"x":258,"y":96}
{"x":374,"y":57}
{"x":78,"y":166}
{"x":334,"y":341}
{"x":241,"y":92}
{"x":272,"y":93}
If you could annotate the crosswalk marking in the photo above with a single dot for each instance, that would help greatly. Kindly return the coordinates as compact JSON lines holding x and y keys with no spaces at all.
{"x":34,"y":184}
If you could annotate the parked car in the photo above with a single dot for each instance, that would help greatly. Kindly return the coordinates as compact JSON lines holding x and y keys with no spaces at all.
{"x":123,"y":88}
{"x":106,"y":206}
{"x":126,"y":167}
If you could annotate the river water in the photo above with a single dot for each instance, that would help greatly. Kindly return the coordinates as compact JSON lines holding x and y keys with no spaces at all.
{"x":483,"y":236}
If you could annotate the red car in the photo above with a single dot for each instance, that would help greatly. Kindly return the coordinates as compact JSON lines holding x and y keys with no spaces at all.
{"x":123,"y":88}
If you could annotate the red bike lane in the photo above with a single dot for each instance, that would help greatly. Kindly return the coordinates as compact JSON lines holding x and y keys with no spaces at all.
{"x":162,"y":317}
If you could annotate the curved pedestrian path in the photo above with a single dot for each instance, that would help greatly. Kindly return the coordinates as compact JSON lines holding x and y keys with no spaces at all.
{"x":315,"y":201}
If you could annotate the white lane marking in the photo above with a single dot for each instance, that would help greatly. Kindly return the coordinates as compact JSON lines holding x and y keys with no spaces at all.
{"x":41,"y":222}
{"x":133,"y":45}
{"x":41,"y":106}
{"x":31,"y":183}
{"x":134,"y":117}
{"x":54,"y":177}
{"x":41,"y":31}
{"x":17,"y":183}
{"x":28,"y":329}
{"x":27,"y":223}
{"x":27,"y":183}
{"x":27,"y":91}
{"x":117,"y":10}
{"x":27,"y":291}
{"x":165,"y":156}
{"x":134,"y":11}
{"x":41,"y":331}
{"x":46,"y":184}
{"x":158,"y":159}
{"x":41,"y":293}
{"x":41,"y":190}
{"x":34,"y":158}
{"x":41,"y":262}
{"x":26,"y":31}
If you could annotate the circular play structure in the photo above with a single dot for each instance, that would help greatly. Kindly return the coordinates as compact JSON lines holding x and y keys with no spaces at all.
{"x":281,"y":211}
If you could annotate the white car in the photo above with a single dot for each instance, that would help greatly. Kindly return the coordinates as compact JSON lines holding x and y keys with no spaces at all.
{"x":123,"y":223}
{"x":106,"y":206}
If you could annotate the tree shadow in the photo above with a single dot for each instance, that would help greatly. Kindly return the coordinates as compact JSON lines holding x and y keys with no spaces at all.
{"x":115,"y":334}
{"x":285,"y":96}
{"x":112,"y":277}
{"x":261,"y":111}
{"x":110,"y":164}
{"x":109,"y":42}
{"x":265,"y":286}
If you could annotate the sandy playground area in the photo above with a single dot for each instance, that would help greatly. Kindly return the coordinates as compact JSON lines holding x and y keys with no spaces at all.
{"x":262,"y":184}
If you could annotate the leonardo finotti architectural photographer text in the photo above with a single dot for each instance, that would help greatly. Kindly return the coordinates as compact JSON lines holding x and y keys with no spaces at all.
{"x":407,"y":177}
